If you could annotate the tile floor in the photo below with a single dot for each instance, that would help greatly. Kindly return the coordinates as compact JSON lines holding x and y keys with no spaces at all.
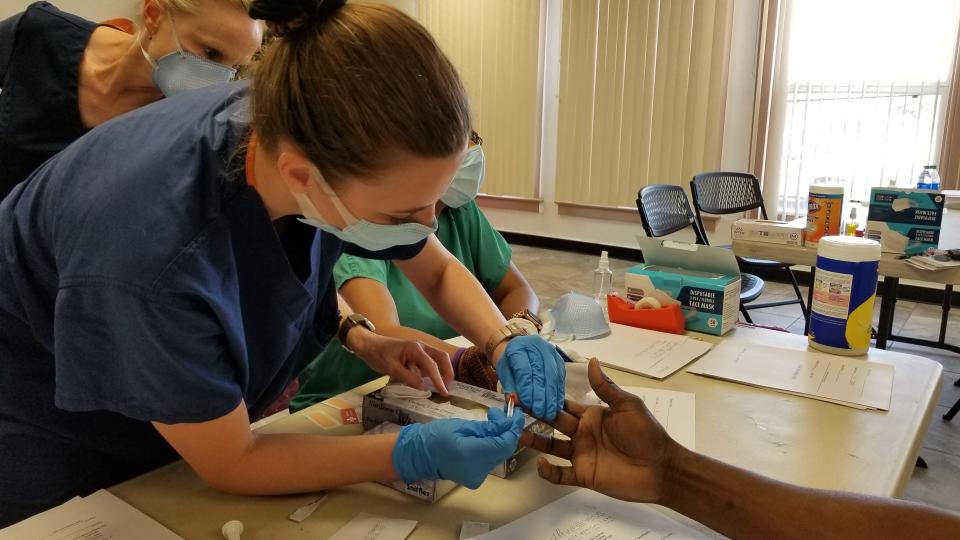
{"x":553,"y":273}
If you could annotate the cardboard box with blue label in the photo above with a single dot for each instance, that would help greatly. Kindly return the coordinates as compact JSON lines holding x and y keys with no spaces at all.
{"x":704,"y":280}
{"x":905,"y":221}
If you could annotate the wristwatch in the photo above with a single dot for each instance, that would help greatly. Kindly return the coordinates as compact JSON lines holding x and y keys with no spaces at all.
{"x":347,"y":323}
{"x":510,"y":331}
{"x":530,"y":316}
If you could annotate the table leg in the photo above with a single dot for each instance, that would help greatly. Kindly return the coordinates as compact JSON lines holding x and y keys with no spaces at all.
{"x":888,"y":302}
{"x":806,"y":321}
{"x":947,"y":296}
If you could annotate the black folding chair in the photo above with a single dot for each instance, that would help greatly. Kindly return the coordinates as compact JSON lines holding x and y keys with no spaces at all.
{"x":732,"y":193}
{"x":664,"y":209}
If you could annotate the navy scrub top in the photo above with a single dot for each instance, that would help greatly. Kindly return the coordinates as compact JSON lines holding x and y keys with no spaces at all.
{"x":40,"y":54}
{"x":142,"y":280}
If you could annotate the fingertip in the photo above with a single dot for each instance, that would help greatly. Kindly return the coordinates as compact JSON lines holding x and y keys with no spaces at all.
{"x":495,"y":415}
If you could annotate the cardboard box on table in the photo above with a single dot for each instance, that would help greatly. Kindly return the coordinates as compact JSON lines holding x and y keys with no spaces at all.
{"x":704,"y":279}
{"x":905,"y":221}
{"x":465,"y":401}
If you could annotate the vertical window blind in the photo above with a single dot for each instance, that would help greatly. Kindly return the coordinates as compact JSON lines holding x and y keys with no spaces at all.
{"x":642,"y":95}
{"x":496,"y":47}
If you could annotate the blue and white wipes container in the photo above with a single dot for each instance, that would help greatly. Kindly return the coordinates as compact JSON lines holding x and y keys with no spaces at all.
{"x":844,"y":290}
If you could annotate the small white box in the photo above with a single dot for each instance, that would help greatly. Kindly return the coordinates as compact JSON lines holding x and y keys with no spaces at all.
{"x":788,"y":233}
{"x":465,"y":401}
{"x":427,"y":490}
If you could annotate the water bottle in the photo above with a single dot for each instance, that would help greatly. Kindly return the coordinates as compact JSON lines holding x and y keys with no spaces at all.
{"x":928,"y":177}
{"x":934,"y":178}
{"x":602,"y":280}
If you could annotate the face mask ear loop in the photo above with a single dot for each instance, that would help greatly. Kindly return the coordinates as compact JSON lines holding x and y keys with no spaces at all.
{"x":348,"y":218}
{"x":143,"y":51}
{"x":176,"y":38}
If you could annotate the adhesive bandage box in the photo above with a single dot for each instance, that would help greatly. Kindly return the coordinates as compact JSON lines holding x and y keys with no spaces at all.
{"x":905,"y":221}
{"x":705,"y":280}
{"x":465,"y":401}
{"x":788,"y":233}
{"x":427,"y":490}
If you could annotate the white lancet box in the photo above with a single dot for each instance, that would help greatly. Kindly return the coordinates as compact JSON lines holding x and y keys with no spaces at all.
{"x":788,"y":233}
{"x":465,"y":401}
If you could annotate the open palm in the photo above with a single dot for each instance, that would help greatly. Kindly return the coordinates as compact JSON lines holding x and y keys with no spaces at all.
{"x":618,"y":450}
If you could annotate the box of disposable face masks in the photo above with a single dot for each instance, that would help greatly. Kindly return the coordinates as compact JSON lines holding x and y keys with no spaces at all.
{"x":465,"y":401}
{"x":705,"y":280}
{"x":427,"y":490}
{"x":905,"y":221}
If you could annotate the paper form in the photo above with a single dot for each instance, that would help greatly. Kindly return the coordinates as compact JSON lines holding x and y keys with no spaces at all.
{"x":838,"y":379}
{"x":588,"y":515}
{"x":372,"y":527}
{"x":100,"y":516}
{"x":642,"y":352}
{"x":676,"y":411}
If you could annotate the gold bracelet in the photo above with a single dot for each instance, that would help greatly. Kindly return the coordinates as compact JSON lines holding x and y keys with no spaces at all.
{"x":510,"y":331}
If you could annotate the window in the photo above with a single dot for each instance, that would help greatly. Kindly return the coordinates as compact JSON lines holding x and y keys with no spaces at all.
{"x":866,"y":87}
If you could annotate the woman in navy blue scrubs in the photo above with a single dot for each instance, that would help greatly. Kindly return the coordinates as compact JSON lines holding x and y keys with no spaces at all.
{"x":61,"y":75}
{"x":163,"y":278}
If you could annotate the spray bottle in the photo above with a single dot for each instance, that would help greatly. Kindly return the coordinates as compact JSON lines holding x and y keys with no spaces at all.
{"x":602,"y":280}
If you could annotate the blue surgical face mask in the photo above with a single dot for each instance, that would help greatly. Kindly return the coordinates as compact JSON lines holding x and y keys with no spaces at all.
{"x":180,"y":71}
{"x":466,"y":184}
{"x":360,"y":232}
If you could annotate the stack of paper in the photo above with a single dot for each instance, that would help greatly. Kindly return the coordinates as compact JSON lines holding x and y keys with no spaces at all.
{"x":643,"y":352}
{"x":852,"y":382}
{"x":100,"y":515}
{"x":929,"y":263}
{"x":587,"y":515}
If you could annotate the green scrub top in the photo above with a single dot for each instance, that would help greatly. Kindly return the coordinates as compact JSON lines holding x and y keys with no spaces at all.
{"x":467,"y":234}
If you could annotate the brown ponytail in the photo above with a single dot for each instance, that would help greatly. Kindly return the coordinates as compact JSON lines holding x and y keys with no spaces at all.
{"x":354,"y":85}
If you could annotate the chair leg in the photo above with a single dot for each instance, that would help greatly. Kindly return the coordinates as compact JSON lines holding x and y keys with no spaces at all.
{"x":953,"y":410}
{"x":796,"y":289}
{"x":922,"y":463}
{"x":746,"y":316}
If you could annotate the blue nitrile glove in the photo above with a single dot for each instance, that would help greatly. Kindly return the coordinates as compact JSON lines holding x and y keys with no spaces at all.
{"x":532,"y":368}
{"x":464,"y":451}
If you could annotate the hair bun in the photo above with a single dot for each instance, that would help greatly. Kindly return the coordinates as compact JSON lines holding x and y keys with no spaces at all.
{"x":288,"y":16}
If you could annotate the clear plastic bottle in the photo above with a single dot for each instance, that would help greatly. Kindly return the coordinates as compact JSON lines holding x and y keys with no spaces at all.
{"x":934,"y":178}
{"x":850,"y":227}
{"x":929,"y":179}
{"x":602,"y":280}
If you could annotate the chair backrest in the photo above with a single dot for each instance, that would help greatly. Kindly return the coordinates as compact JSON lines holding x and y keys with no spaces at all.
{"x":665,"y":209}
{"x":725,"y":193}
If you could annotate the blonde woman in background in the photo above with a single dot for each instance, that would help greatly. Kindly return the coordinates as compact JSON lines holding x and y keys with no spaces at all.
{"x":62,"y":75}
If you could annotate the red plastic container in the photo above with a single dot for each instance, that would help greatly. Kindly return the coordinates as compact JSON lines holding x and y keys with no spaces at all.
{"x":666,"y":319}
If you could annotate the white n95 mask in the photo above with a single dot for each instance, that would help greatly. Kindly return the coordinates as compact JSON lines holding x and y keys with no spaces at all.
{"x":181,"y":71}
{"x":466,"y":184}
{"x":360,"y":232}
{"x":579,"y":316}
